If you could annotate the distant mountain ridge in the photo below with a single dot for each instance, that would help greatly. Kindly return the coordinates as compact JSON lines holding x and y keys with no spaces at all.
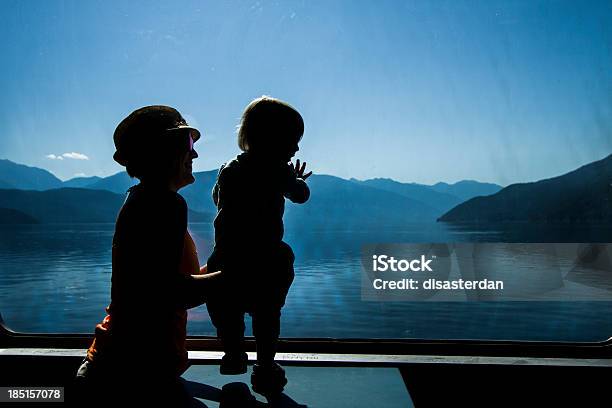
{"x":64,"y":205}
{"x":583,"y":195}
{"x":466,"y":189}
{"x":343,"y":204}
{"x":334,"y":200}
{"x":69,"y":205}
{"x":433,"y":196}
{"x":117,"y":183}
{"x":14,"y":175}
{"x":198,"y":194}
{"x":80,"y":182}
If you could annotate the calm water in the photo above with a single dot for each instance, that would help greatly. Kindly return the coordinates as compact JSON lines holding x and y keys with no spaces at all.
{"x":56,"y":278}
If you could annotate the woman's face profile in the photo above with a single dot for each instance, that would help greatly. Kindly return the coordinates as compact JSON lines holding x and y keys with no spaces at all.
{"x":184,"y":173}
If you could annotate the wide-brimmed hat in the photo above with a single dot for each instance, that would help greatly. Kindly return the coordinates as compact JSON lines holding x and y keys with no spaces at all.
{"x":149,"y":125}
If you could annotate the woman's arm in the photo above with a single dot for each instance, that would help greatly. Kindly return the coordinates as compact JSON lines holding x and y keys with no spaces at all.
{"x":197,"y":289}
{"x":174,"y":288}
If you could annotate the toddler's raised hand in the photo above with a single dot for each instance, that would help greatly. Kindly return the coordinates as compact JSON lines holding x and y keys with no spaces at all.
{"x":299,"y":170}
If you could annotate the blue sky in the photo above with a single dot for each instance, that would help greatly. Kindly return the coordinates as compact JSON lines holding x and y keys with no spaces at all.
{"x":419,"y":91}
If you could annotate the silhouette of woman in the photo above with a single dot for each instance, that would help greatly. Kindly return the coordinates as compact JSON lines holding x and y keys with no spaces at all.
{"x":156,"y":276}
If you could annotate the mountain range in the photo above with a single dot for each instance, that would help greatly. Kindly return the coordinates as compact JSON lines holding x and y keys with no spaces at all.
{"x":66,"y":205}
{"x":14,"y":175}
{"x":30,"y":194}
{"x":583,"y":195}
{"x":334,"y":201}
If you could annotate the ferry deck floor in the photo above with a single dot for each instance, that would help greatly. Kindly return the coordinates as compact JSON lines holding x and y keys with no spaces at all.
{"x":358,"y":380}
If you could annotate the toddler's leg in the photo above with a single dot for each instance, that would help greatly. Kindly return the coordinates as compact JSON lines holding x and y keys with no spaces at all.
{"x":266,"y":329}
{"x":229,"y":321}
{"x":267,"y":313}
{"x":268,"y":377}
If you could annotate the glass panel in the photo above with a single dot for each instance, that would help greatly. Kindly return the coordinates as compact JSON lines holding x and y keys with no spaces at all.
{"x":427,"y":122}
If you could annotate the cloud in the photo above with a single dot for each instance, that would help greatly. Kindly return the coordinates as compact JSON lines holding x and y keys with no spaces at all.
{"x":71,"y":155}
{"x":75,"y":156}
{"x":80,"y":175}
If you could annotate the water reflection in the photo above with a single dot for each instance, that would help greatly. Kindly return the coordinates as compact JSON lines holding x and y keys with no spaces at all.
{"x":56,"y":278}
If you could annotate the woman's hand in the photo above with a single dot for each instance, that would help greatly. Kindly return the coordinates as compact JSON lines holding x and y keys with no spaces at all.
{"x":199,"y":288}
{"x":204,"y":271}
{"x":210,"y":276}
{"x":299,"y":170}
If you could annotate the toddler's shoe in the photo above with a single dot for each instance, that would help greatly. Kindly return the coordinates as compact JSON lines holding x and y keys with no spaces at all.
{"x":234,"y":363}
{"x":268,"y":380}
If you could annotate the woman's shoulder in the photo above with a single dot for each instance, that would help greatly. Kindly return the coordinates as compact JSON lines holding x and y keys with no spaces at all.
{"x":173,"y":201}
{"x":144,"y":200}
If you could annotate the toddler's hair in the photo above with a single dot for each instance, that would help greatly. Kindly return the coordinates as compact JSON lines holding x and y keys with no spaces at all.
{"x":268,"y":121}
